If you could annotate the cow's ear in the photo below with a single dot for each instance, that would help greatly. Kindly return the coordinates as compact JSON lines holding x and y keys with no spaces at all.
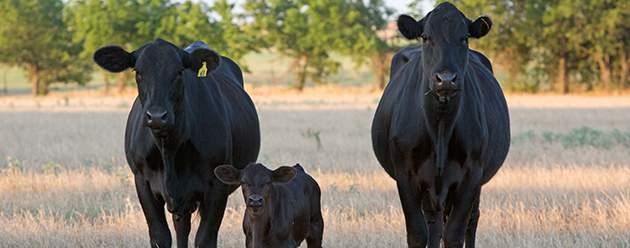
{"x":228,"y":174}
{"x":409,"y":27}
{"x":114,"y":58}
{"x":284,"y":174}
{"x":480,"y":27}
{"x":195,"y":60}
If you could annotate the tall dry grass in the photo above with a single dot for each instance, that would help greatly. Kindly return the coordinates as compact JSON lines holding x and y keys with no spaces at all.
{"x":546,"y":195}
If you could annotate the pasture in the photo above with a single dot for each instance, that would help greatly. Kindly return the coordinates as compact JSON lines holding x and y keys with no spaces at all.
{"x":64,"y":181}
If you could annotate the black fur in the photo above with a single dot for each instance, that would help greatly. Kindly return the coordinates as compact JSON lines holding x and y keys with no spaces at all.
{"x":113,"y":58}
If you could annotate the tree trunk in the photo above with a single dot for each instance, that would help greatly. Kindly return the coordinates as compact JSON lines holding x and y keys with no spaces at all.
{"x":105,"y":83}
{"x":301,"y":73}
{"x":605,"y":71}
{"x":623,"y":79}
{"x":43,"y":88}
{"x":122,"y":79}
{"x":6,"y":91}
{"x":34,"y":70}
{"x":378,"y":63}
{"x":563,"y":82}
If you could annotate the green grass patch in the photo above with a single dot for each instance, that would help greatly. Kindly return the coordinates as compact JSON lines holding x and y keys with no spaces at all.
{"x":584,"y":136}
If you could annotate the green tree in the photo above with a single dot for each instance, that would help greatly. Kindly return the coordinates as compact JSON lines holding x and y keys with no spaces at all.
{"x":33,"y":36}
{"x":603,"y":28}
{"x":366,"y":37}
{"x":513,"y":39}
{"x":297,"y":29}
{"x":233,"y":39}
{"x":97,"y":23}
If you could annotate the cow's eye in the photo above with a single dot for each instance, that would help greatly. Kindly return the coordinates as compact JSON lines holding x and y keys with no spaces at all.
{"x":138,"y":75}
{"x":426,"y":39}
{"x":268,"y":183}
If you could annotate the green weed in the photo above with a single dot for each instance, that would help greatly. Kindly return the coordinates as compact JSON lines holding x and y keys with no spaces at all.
{"x":52,"y":168}
{"x":577,"y":137}
{"x":314,"y":135}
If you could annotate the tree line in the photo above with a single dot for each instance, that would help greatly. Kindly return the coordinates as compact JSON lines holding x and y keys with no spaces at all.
{"x":556,"y":45}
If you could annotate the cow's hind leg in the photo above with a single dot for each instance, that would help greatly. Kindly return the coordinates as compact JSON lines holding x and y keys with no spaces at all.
{"x":182,"y":229}
{"x":435,"y":221}
{"x":153,"y":210}
{"x":316,"y":231}
{"x":211,"y":212}
{"x":471,"y":229}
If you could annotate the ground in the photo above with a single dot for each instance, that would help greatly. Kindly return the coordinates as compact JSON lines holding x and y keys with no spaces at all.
{"x":566,"y":182}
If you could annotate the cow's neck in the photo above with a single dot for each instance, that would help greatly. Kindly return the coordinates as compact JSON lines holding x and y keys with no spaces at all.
{"x":260,"y":227}
{"x":440,"y":121}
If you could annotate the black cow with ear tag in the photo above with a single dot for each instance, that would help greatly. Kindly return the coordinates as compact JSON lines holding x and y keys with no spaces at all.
{"x":191,"y":115}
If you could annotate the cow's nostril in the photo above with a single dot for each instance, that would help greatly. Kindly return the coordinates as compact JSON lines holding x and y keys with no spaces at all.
{"x":438,"y":78}
{"x":453,"y":81}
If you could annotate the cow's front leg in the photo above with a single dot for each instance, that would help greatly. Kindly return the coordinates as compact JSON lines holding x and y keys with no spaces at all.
{"x":182,"y":229}
{"x":471,"y":229}
{"x":411,"y":201}
{"x":211,"y":210}
{"x":153,"y":210}
{"x":468,"y":192}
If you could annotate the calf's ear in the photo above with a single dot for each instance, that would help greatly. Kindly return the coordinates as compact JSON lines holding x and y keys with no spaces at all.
{"x":284,"y":174}
{"x":114,"y":58}
{"x":200,"y":57}
{"x":409,"y":27}
{"x":480,"y":27}
{"x":228,"y":174}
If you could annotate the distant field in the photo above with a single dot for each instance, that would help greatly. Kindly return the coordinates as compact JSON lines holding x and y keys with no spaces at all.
{"x":66,"y":183}
{"x":265,"y":69}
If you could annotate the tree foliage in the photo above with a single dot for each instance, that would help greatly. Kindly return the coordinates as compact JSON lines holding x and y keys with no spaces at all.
{"x":33,"y":36}
{"x":557,"y":44}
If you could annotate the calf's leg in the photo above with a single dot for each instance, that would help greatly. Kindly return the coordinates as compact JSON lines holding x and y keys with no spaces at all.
{"x":316,"y":231}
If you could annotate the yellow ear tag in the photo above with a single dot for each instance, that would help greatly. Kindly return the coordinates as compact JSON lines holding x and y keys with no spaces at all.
{"x":203,"y":71}
{"x":484,"y":22}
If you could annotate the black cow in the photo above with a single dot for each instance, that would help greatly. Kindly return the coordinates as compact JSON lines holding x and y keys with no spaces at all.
{"x":283,"y":206}
{"x":182,"y":125}
{"x":442,"y":128}
{"x":404,"y":55}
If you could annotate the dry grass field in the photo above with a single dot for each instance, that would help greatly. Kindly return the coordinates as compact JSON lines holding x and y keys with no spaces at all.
{"x":64,"y":181}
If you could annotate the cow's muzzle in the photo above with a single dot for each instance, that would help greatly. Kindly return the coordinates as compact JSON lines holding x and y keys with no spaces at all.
{"x":159,"y":120}
{"x":445,"y":86}
{"x":255,"y":202}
